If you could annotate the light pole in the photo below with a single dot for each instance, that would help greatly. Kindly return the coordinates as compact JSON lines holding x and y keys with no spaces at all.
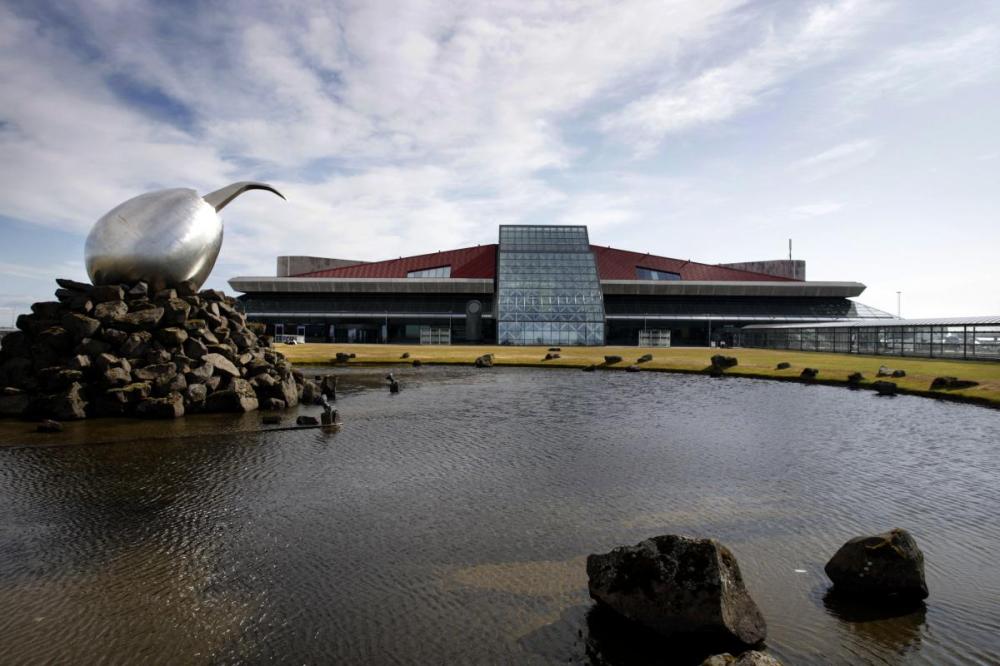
{"x":899,"y":306}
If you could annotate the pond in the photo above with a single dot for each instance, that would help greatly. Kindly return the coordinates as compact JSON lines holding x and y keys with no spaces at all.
{"x":451,"y":522}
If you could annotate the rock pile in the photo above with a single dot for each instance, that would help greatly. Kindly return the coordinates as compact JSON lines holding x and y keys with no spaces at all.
{"x":121,"y":350}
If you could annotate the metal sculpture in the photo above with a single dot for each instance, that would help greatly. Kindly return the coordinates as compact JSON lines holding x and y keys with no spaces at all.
{"x":163,"y":238}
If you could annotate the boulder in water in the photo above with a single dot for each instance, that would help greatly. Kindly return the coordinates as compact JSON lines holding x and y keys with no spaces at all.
{"x":887,"y":566}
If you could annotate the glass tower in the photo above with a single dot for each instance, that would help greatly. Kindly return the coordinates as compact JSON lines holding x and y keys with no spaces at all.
{"x":548,"y":291}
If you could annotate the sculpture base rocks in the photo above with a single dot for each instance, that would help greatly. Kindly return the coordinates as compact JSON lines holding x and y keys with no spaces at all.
{"x":118,"y":350}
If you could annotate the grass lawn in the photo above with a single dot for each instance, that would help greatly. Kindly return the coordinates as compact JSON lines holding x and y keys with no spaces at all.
{"x":833,"y":368}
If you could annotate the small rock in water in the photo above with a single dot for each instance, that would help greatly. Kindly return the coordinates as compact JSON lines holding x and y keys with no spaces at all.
{"x":750,"y":658}
{"x":416,"y":363}
{"x":678,"y":585}
{"x":633,"y":368}
{"x":271,"y":419}
{"x":48,"y":425}
{"x":307,"y":421}
{"x":809,"y":373}
{"x":854,"y":379}
{"x":887,"y":566}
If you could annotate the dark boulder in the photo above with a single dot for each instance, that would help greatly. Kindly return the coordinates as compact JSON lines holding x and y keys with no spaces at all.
{"x":783,"y":366}
{"x":175,"y":312}
{"x":57,"y":339}
{"x":143,"y":320}
{"x":138,"y":290}
{"x":195,"y":395}
{"x":341,"y":357}
{"x":194,"y":348}
{"x":73,"y":285}
{"x":854,"y":379}
{"x":109,"y":311}
{"x":749,"y":658}
{"x":48,"y":310}
{"x":200,"y":373}
{"x":107,"y":292}
{"x":888,"y":566}
{"x":171,"y":337}
{"x":170,"y":406}
{"x":416,"y":363}
{"x":484,"y":361}
{"x":49,"y":426}
{"x":633,"y":368}
{"x":611,"y":359}
{"x":114,"y":377}
{"x":154,"y":371}
{"x":949,"y":383}
{"x":114,"y":337}
{"x":53,"y":379}
{"x":65,"y":405}
{"x":238,"y":396}
{"x":724,"y":362}
{"x":678,"y":586}
{"x":19,"y":373}
{"x":645,"y":358}
{"x":405,"y":355}
{"x":186,"y":289}
{"x":222,"y":365}
{"x":307,"y":421}
{"x":885,"y":388}
{"x":92,"y":347}
{"x":80,"y":326}
{"x":808,"y":373}
{"x":13,"y":401}
{"x":551,"y":355}
{"x":899,"y":373}
{"x":273,"y":404}
{"x":136,"y":344}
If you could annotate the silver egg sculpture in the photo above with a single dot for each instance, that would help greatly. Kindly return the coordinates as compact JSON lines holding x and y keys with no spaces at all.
{"x":163,"y":238}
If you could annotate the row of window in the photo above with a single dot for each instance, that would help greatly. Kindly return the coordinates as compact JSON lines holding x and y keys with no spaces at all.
{"x":439,"y":272}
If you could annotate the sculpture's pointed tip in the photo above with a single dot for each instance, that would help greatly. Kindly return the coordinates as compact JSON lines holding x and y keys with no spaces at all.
{"x":219,"y":198}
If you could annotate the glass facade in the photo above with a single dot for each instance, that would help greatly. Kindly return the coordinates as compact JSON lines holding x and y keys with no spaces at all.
{"x":548,"y":291}
{"x":966,"y":341}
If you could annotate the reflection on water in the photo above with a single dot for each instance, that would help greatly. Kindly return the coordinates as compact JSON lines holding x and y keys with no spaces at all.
{"x":450,"y":522}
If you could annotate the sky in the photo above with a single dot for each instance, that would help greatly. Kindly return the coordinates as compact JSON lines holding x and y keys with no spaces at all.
{"x":713,"y":130}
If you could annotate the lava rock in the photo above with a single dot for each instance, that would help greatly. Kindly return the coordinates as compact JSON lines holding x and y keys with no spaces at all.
{"x":172,"y":337}
{"x":611,"y":359}
{"x":170,"y":406}
{"x":405,"y":355}
{"x":645,"y":358}
{"x":724,"y":362}
{"x":139,"y":290}
{"x":107,"y":292}
{"x":142,"y":320}
{"x":854,"y":379}
{"x":808,"y":373}
{"x":899,"y":373}
{"x":175,"y":311}
{"x":678,"y":585}
{"x":222,"y":365}
{"x":880,"y":567}
{"x":551,"y":355}
{"x":885,"y":388}
{"x":949,"y":383}
{"x":307,"y":421}
{"x":273,"y":404}
{"x":239,"y":396}
{"x":109,"y":311}
{"x":154,"y":371}
{"x":73,"y":285}
{"x":13,"y":401}
{"x":50,"y":426}
{"x":749,"y":658}
{"x":341,"y":357}
{"x":65,"y":405}
{"x":417,"y":363}
{"x":80,"y":326}
{"x":783,"y":366}
{"x":484,"y":361}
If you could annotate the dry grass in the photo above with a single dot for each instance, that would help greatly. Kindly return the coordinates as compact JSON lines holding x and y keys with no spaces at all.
{"x":833,"y":368}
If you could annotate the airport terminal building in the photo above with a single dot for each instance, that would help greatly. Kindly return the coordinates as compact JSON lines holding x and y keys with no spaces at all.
{"x":539,"y":285}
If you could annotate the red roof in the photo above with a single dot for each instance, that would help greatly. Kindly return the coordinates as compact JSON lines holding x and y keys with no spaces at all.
{"x":469,"y":262}
{"x":613,"y":264}
{"x":481,"y":262}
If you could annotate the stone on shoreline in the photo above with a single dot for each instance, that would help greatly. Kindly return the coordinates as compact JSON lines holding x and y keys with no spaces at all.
{"x":809,"y":373}
{"x":611,"y":359}
{"x":784,"y":365}
{"x":484,"y":361}
{"x":680,"y":586}
{"x":884,"y":387}
{"x":881,"y":567}
{"x":724,"y":362}
{"x":949,"y":383}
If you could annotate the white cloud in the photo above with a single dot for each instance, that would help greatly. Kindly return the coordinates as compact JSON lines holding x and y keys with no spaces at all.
{"x":837,"y":159}
{"x":722,"y":92}
{"x":817,"y":209}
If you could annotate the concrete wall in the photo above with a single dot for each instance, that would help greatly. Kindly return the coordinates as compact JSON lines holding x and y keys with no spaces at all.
{"x":789,"y":268}
{"x":289,"y":266}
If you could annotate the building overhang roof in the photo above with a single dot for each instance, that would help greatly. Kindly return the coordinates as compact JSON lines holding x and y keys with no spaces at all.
{"x":730,"y":288}
{"x":321,"y":285}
